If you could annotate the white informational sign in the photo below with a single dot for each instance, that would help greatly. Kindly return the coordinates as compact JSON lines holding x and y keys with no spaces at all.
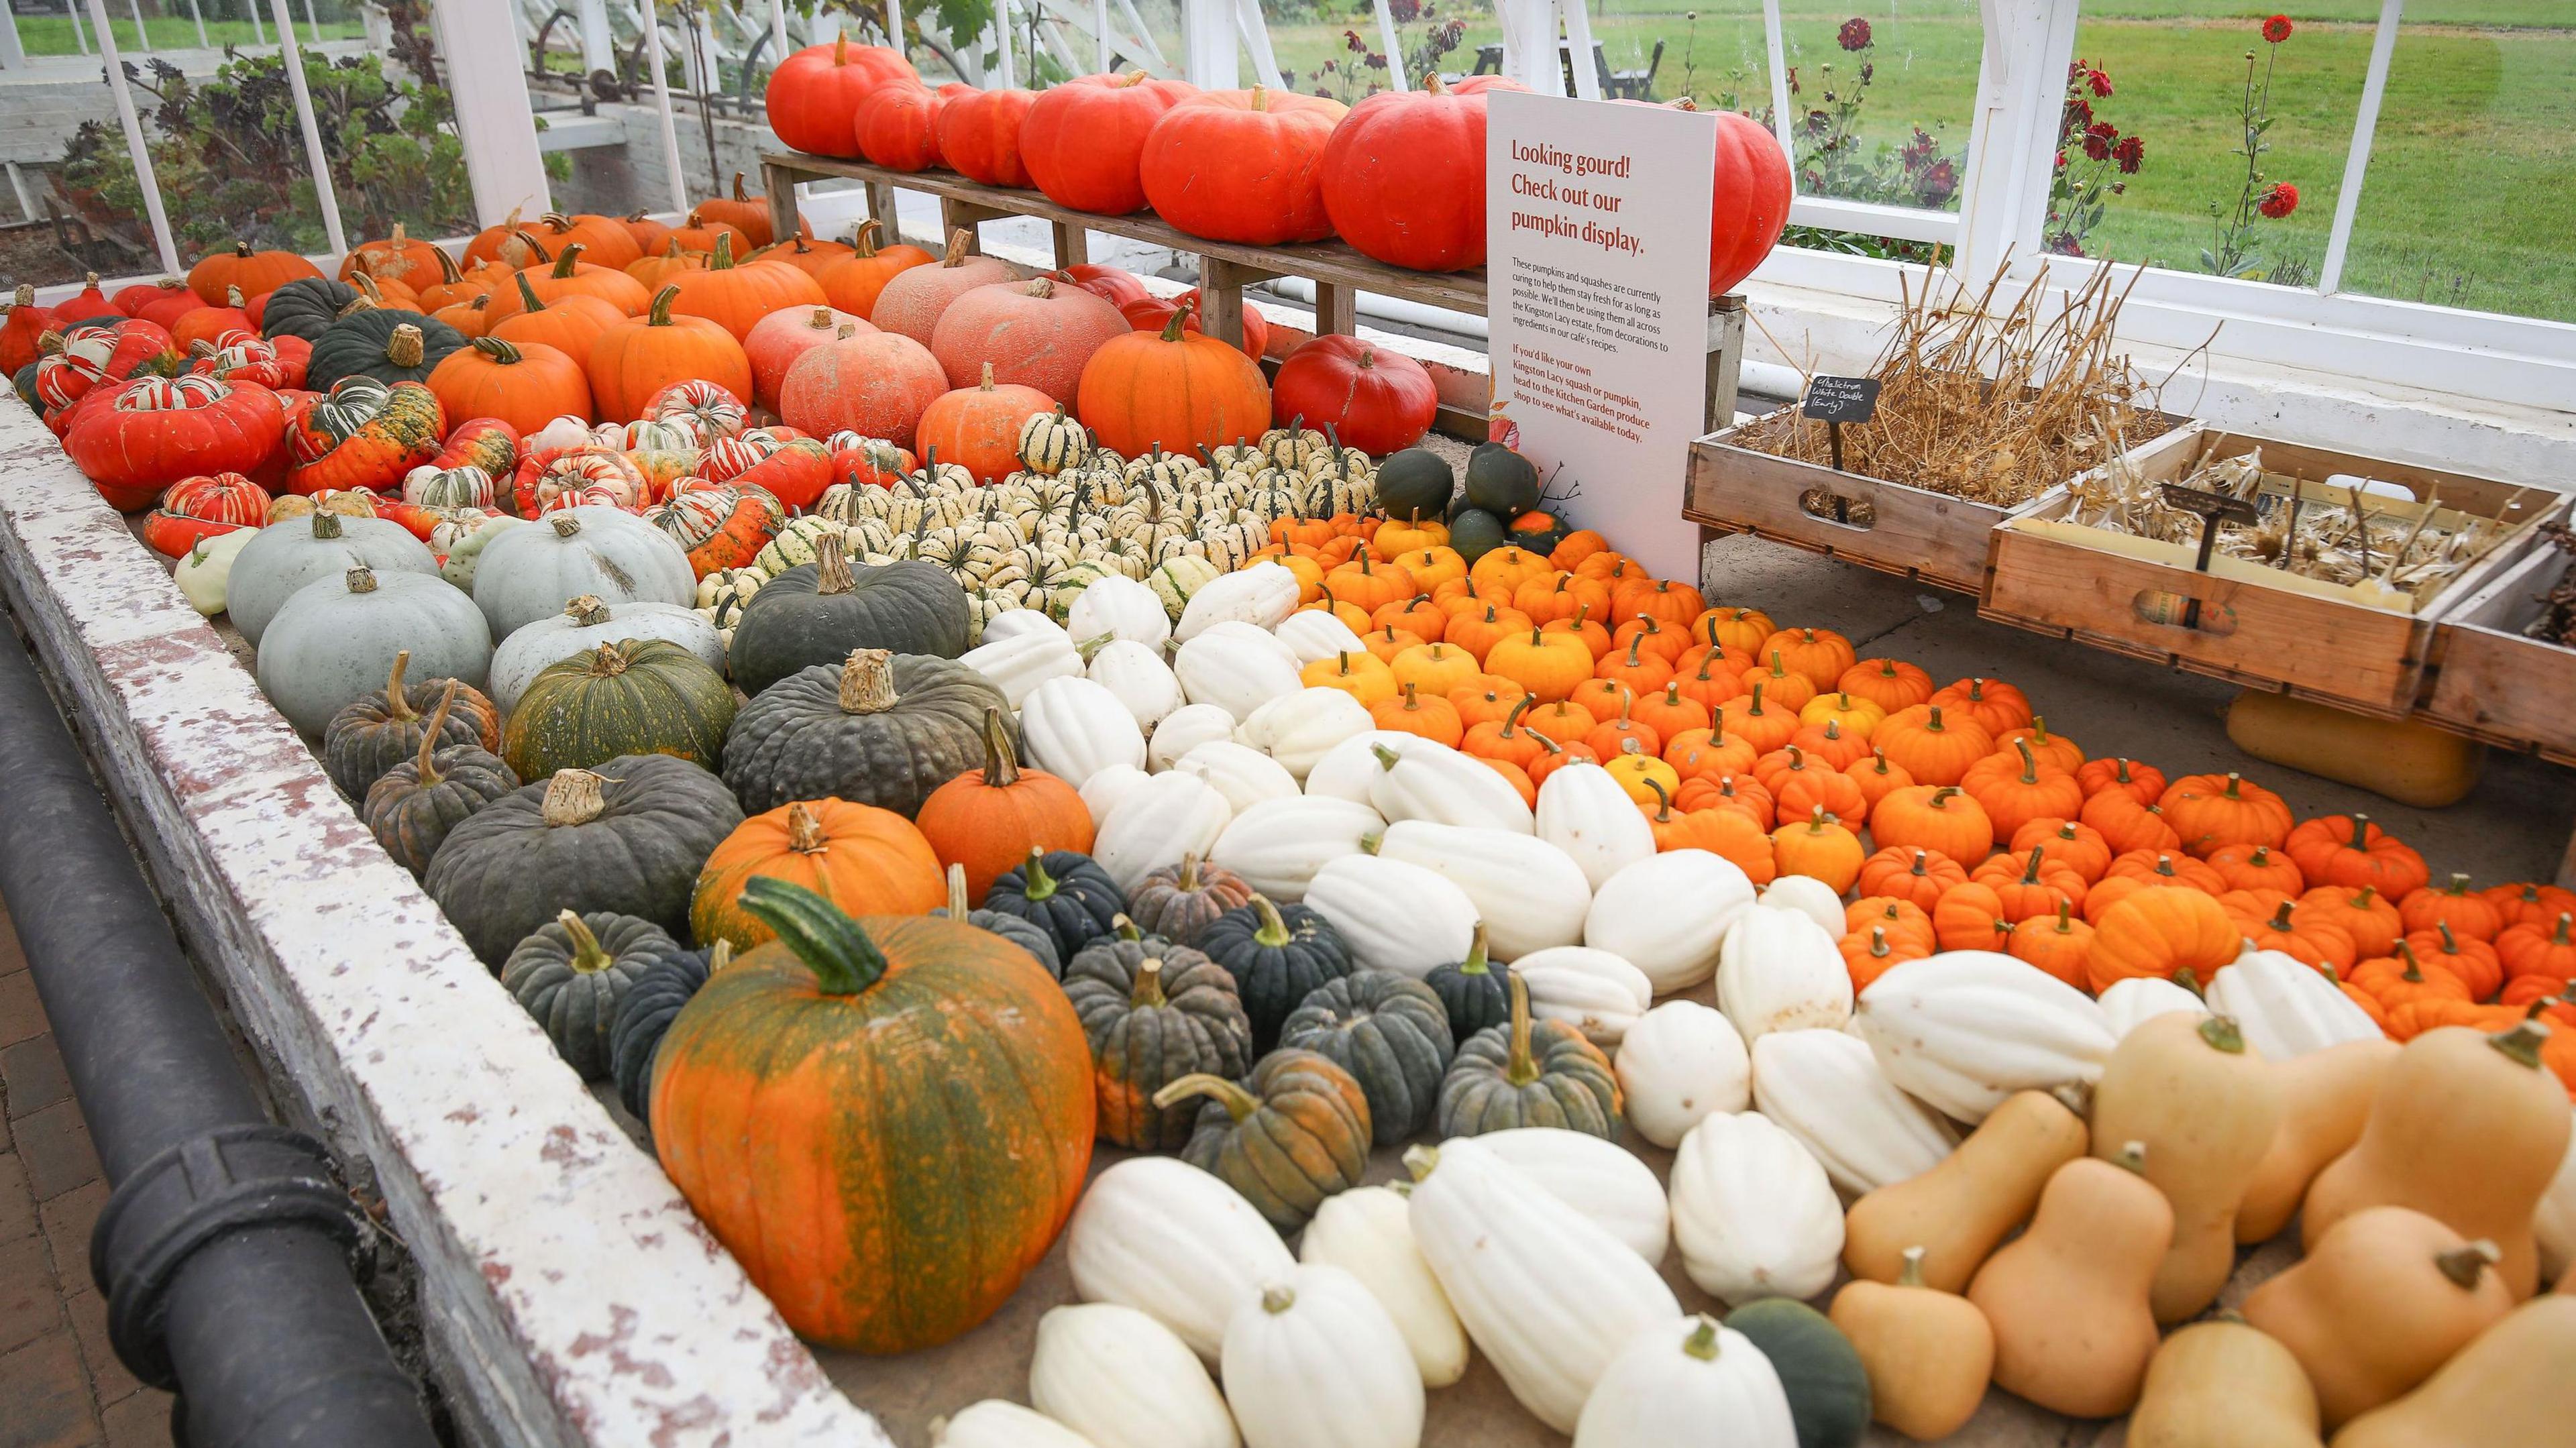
{"x":1596,"y":278}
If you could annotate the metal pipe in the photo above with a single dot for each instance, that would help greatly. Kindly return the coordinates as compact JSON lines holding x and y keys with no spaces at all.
{"x":221,"y":1250}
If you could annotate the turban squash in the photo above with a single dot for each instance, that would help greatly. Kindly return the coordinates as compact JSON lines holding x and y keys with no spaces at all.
{"x":151,"y":432}
{"x":362,"y":434}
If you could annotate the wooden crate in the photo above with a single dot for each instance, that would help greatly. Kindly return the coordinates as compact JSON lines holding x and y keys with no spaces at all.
{"x":1891,"y":527}
{"x":2491,"y":681}
{"x":2332,"y":649}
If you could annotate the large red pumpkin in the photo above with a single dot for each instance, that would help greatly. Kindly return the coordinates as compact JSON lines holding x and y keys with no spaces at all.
{"x":1404,"y":175}
{"x":876,"y":384}
{"x":255,"y":273}
{"x":978,"y":428}
{"x":898,"y":126}
{"x":1174,"y":390}
{"x":979,"y":135}
{"x":1034,"y":333}
{"x":1082,"y":140}
{"x":780,"y":338}
{"x":814,"y":93}
{"x":914,"y":298}
{"x":1242,"y":165}
{"x":153,"y":431}
{"x":1750,"y":205}
{"x":885,"y":1120}
{"x":1372,"y":399}
{"x":1152,"y":314}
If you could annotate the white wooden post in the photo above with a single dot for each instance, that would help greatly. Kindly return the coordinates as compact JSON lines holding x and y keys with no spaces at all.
{"x":777,"y":32}
{"x":894,"y":27}
{"x":1207,"y":30}
{"x":1529,"y":44}
{"x":142,"y":37}
{"x":2356,"y":162}
{"x":598,"y":42}
{"x":1783,"y":123}
{"x":1387,"y":38}
{"x":325,"y":195}
{"x":2012,"y":141}
{"x":1004,"y":67}
{"x":135,"y":148}
{"x":1100,"y":31}
{"x":258,"y":31}
{"x":1256,"y":39}
{"x":13,"y":55}
{"x":1578,"y":48}
{"x":196,"y":12}
{"x":313,"y":27}
{"x":489,"y":85}
{"x":662,"y":105}
{"x":1144,"y":34}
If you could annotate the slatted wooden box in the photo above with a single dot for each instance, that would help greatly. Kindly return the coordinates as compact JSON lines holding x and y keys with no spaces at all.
{"x":2490,"y":679}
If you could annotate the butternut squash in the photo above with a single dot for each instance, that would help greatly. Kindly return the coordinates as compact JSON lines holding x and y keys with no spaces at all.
{"x":2385,"y":1298}
{"x":2205,"y":1107}
{"x":2465,"y":1127}
{"x":1960,"y":1209}
{"x":2325,"y":1098}
{"x":2068,"y":1299}
{"x":1929,"y":1354}
{"x":2509,"y":1389}
{"x":2223,"y":1384}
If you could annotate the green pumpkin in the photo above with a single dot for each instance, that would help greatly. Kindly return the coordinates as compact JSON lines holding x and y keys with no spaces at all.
{"x":411,"y":807}
{"x":1295,"y":1132}
{"x":1062,"y":892}
{"x":1501,"y":481}
{"x":816,"y":613}
{"x":1475,"y":533}
{"x":385,"y":343}
{"x":1415,"y":484}
{"x":375,"y":733}
{"x":635,"y":696}
{"x":307,"y":306}
{"x":573,"y":974}
{"x":1278,"y":956}
{"x":1179,"y":902}
{"x":1827,"y":1385}
{"x":1154,"y":1012}
{"x":1474,"y":991}
{"x":629,"y":839}
{"x":24,"y":379}
{"x":1025,"y":933}
{"x":1391,"y":1033}
{"x":653,"y":998}
{"x":1529,"y":1073}
{"x":882,"y":729}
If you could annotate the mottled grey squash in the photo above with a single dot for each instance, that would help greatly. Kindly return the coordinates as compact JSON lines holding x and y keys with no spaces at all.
{"x":573,"y":972}
{"x":411,"y":807}
{"x":1155,"y":1012}
{"x":881,"y":729}
{"x":1390,"y":1032}
{"x":653,"y":999}
{"x":816,"y":613}
{"x":1527,"y":1073}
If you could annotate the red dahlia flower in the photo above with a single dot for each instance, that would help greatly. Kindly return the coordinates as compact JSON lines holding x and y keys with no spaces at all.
{"x":1855,"y":34}
{"x":2130,"y":153}
{"x":2277,"y":29}
{"x":2280,"y":201}
{"x":2100,"y":81}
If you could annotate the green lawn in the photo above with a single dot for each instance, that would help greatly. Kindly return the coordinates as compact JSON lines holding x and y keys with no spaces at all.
{"x":2471,"y":196}
{"x":173,"y":30}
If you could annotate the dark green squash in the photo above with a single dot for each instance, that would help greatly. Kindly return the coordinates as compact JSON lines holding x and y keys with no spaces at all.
{"x":1827,"y":1385}
{"x":635,"y":696}
{"x":1278,"y":955}
{"x":1179,"y":902}
{"x":307,"y":306}
{"x":1064,"y":893}
{"x":385,"y":343}
{"x":1414,"y":485}
{"x":1027,"y":934}
{"x":411,"y":807}
{"x":1475,"y":533}
{"x":653,"y":998}
{"x":628,"y":839}
{"x":1295,"y":1132}
{"x":1390,"y":1032}
{"x":816,"y":613}
{"x":373,"y":734}
{"x":1501,"y":481}
{"x":882,"y":729}
{"x":1475,"y":991}
{"x":573,"y":974}
{"x":1529,"y":1073}
{"x":1154,"y":1012}
{"x":24,"y":379}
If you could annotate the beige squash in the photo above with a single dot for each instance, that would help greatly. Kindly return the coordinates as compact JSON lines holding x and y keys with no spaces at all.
{"x":2325,"y":1098}
{"x":2385,"y":1298}
{"x":2206,"y":1107}
{"x":1929,"y":1354}
{"x":2068,"y":1299}
{"x":2223,"y":1384}
{"x":2466,"y":1127}
{"x":1960,"y":1209}
{"x":2509,"y":1389}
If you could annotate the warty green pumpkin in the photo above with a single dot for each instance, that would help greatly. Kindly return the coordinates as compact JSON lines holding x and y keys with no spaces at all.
{"x":412,"y":806}
{"x":635,"y":696}
{"x":375,"y":733}
{"x":1064,"y":893}
{"x":817,"y":613}
{"x":385,"y":343}
{"x":1278,"y":956}
{"x":1154,"y":1012}
{"x":1295,"y":1132}
{"x":573,"y":972}
{"x":882,"y":729}
{"x":652,"y":1001}
{"x":1390,"y":1033}
{"x":1527,"y":1073}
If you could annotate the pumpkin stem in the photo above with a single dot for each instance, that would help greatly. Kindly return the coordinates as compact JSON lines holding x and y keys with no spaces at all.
{"x":1278,"y":1297}
{"x":2222,"y":1033}
{"x":1238,"y":1103}
{"x":606,"y":662}
{"x":961,"y":246}
{"x":1148,"y":990}
{"x":2188,"y":979}
{"x":1911,"y":1274}
{"x":501,"y":353}
{"x":957,"y":891}
{"x":1478,"y":962}
{"x":2133,"y":1155}
{"x":2522,"y":1043}
{"x":2463,"y":1264}
{"x":587,"y":611}
{"x":573,"y":797}
{"x":867,"y":682}
{"x":1518,"y":1068}
{"x":1878,"y":949}
{"x":863,"y":237}
{"x":527,"y":294}
{"x":1274,"y":929}
{"x":397,"y":703}
{"x":1039,"y":885}
{"x":1180,"y":319}
{"x":2560,"y":937}
{"x":1188,"y":882}
{"x":831,"y":567}
{"x":2280,"y":918}
{"x":2361,"y":832}
{"x":427,"y":767}
{"x":568,"y":262}
{"x":831,"y":944}
{"x":1125,"y":929}
{"x":1663,"y":802}
{"x":2030,"y":873}
{"x":1702,"y":1342}
{"x":724,"y":252}
{"x":1387,"y":758}
{"x":805,"y":831}
{"x":565,"y":524}
{"x":588,"y":957}
{"x":2234,"y":783}
{"x":362,"y":580}
{"x":2029,"y":762}
{"x":1001,"y":762}
{"x":1421,"y":1161}
{"x":326,"y":524}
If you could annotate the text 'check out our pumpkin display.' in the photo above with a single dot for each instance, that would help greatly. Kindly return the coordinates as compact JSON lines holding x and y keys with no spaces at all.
{"x":1172,"y":391}
{"x":886,"y":1120}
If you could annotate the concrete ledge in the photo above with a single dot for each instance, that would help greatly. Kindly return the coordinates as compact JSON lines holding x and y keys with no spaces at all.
{"x":570,"y":1295}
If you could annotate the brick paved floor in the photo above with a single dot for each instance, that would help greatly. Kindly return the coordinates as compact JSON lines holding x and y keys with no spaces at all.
{"x":60,"y":1386}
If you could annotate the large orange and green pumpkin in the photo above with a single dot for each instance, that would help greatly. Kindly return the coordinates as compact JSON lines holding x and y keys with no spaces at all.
{"x":886,"y":1120}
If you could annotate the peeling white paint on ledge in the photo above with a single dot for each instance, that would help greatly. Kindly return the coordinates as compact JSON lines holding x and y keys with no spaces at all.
{"x":570,"y":1295}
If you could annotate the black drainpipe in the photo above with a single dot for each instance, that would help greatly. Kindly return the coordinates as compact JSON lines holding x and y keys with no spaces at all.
{"x":223,"y":1253}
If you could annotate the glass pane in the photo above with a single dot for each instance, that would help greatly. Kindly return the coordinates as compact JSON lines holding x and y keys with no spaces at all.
{"x":46,"y":27}
{"x":2471,"y":195}
{"x":1883,"y":94}
{"x":2211,"y":141}
{"x":1332,"y":47}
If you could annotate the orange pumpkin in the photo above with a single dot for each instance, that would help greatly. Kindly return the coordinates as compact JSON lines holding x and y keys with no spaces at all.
{"x":1934,"y":746}
{"x":1891,"y":684}
{"x":2161,"y":932}
{"x":876,"y":384}
{"x":1917,"y":875}
{"x":1548,"y":665}
{"x":1903,"y":920}
{"x":1801,"y":784}
{"x":1664,"y":640}
{"x":526,"y":387}
{"x":1173,"y":390}
{"x":2210,"y":811}
{"x":978,"y":428}
{"x":1596,"y":639}
{"x":2016,"y":788}
{"x":1660,"y":599}
{"x":2364,"y":914}
{"x":748,"y":213}
{"x":2400,"y":978}
{"x":1782,"y":685}
{"x":399,"y":257}
{"x":471,"y":317}
{"x":1554,"y":755}
{"x":1818,"y":847}
{"x":1479,"y":632}
{"x":604,"y":240}
{"x":1501,"y":571}
{"x":1707,"y":754}
{"x":1548,"y":597}
{"x":1671,"y":713}
{"x":2030,"y":886}
{"x":2054,"y":749}
{"x":989,"y":819}
{"x":2350,"y":850}
{"x":666,"y":266}
{"x":1414,"y":712}
{"x":1763,"y":725}
{"x":2126,"y":824}
{"x":250,"y":272}
{"x":1933,"y":817}
{"x":2259,"y":867}
{"x":1996,"y":706}
{"x":2266,"y":918}
{"x":1437,"y":669}
{"x":569,"y":276}
{"x":2532,"y":951}
{"x":1740,"y":792}
{"x":1878,"y":779}
{"x":1969,"y":917}
{"x":1872,"y":952}
{"x":2059,"y":944}
{"x":853,"y":283}
{"x":2470,"y":915}
{"x":639,"y":356}
{"x":2474,"y":961}
{"x":1820,"y":655}
{"x":1485,"y":699}
{"x":735,"y":297}
{"x":1577,"y":546}
{"x":857,"y":856}
{"x":2079,"y":847}
{"x":2141,"y":782}
{"x":803,"y":253}
{"x":570,"y":324}
{"x":2528,"y":903}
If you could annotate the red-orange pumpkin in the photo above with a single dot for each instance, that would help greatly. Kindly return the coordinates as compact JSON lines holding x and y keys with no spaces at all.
{"x":814,"y":93}
{"x":736,"y":296}
{"x":1153,"y":314}
{"x":1404,"y":175}
{"x":854,"y":282}
{"x":913,"y":300}
{"x":780,"y":338}
{"x":876,"y":384}
{"x":1173,"y":390}
{"x":525,"y":386}
{"x":898,"y":126}
{"x":988,"y":820}
{"x":1368,"y":398}
{"x":571,"y":324}
{"x":978,"y":428}
{"x":1083,"y":141}
{"x":142,"y":435}
{"x":642,"y":355}
{"x":1036,"y":334}
{"x":979,"y":135}
{"x":745,"y":212}
{"x":1242,"y":165}
{"x":1750,"y":205}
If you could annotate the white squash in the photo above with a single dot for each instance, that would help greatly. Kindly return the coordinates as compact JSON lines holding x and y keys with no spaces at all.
{"x":1668,"y":914}
{"x":1170,"y":815}
{"x":1778,"y":970}
{"x":1753,"y":1211}
{"x":1237,"y":676}
{"x":1245,"y":633}
{"x":1119,"y":607}
{"x":1601,"y":1179}
{"x":1530,"y":896}
{"x":1102,"y":791}
{"x":1076,"y":728}
{"x":579,"y":629}
{"x":1159,"y":1235}
{"x":1962,"y":1030}
{"x":1243,"y":774}
{"x":1014,"y":623}
{"x":1017,"y":663}
{"x":1346,"y":770}
{"x":1825,"y":1088}
{"x":1277,"y":845}
{"x":1262,"y":595}
{"x":2284,"y":1008}
{"x":1442,"y":785}
{"x":1584,"y":812}
{"x":2141,"y":998}
{"x":1392,"y":915}
{"x":1548,"y":1294}
{"x":2555,"y":1223}
{"x":1122,"y":1380}
{"x":1000,"y":1423}
{"x":1679,"y":1062}
{"x":1690,"y":1382}
{"x":1137,"y":675}
{"x":204,"y":573}
{"x":1366,"y":1232}
{"x":1317,"y":633}
{"x":1810,"y":897}
{"x":1297,"y":727}
{"x":1593,"y":991}
{"x":1316,"y":1362}
{"x":1185,"y":729}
